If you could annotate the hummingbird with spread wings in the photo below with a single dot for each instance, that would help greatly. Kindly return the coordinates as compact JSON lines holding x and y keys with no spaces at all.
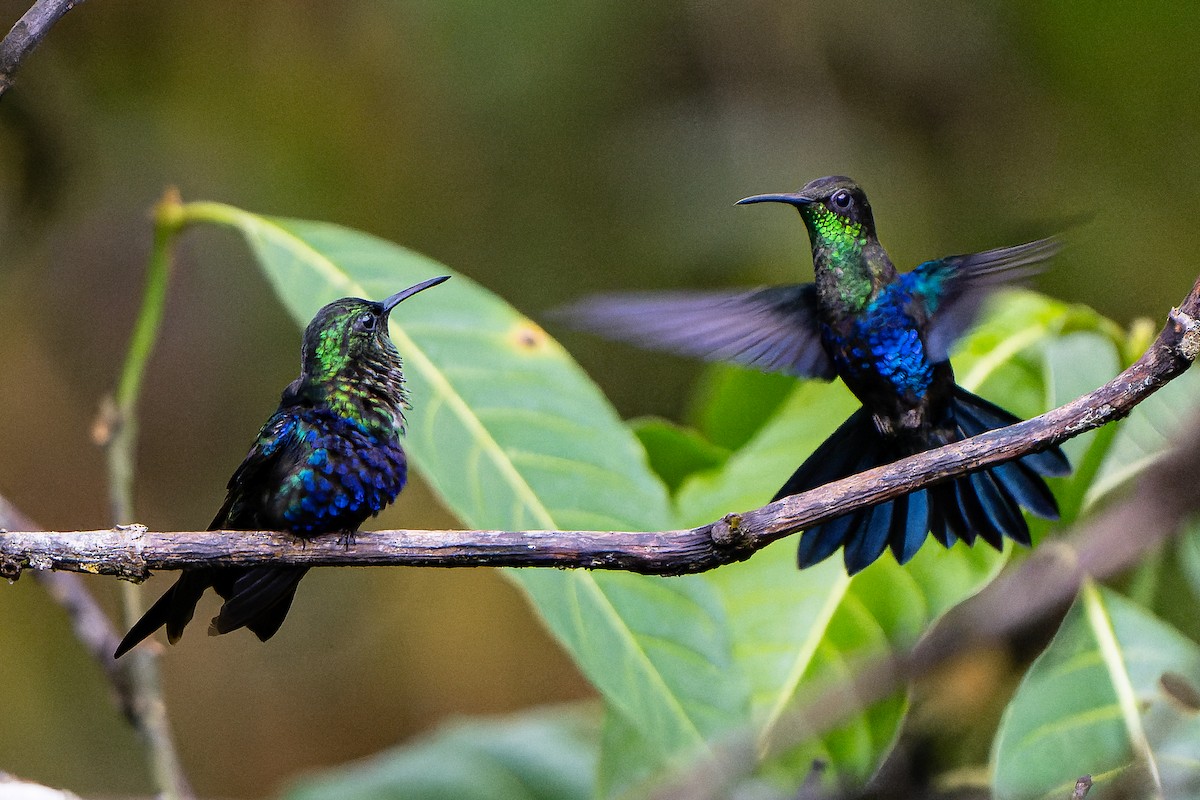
{"x":888,"y":336}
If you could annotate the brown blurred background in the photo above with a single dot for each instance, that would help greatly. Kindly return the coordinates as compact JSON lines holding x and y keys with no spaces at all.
{"x":545,"y":149}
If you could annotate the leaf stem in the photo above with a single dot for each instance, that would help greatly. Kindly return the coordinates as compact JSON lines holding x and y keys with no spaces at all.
{"x":121,"y":414}
{"x":118,"y":433}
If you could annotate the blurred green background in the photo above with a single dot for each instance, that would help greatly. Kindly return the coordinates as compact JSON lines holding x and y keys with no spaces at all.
{"x":545,"y":149}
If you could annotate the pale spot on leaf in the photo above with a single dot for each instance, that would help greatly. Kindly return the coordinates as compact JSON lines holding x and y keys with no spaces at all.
{"x":527,"y":335}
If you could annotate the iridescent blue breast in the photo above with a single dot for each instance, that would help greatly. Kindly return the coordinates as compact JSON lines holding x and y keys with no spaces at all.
{"x":884,"y":344}
{"x":342,"y":474}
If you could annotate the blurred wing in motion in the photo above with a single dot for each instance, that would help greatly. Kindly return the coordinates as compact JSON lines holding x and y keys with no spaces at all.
{"x":953,"y":288}
{"x":773,"y":329}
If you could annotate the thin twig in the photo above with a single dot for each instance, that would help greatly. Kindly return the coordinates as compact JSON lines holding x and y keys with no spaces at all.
{"x":133,"y":552}
{"x":28,"y":34}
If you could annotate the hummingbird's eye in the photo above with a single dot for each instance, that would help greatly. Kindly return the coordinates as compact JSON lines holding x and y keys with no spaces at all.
{"x":366,"y":322}
{"x":841,"y":199}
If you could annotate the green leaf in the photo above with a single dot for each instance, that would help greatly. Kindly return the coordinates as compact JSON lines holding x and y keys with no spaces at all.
{"x":676,"y":452}
{"x":625,"y":770}
{"x":731,"y":403}
{"x":512,"y":434}
{"x":544,"y":755}
{"x":1188,"y":549}
{"x":1075,"y":364}
{"x":1114,"y":696}
{"x":798,"y":634}
{"x":667,"y":668}
{"x":1147,"y":434}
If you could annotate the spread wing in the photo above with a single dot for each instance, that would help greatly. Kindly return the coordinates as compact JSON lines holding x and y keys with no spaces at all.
{"x":773,"y":329}
{"x":952,"y":289}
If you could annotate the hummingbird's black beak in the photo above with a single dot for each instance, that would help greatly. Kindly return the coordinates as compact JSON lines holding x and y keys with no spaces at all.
{"x":400,"y":297}
{"x":792,"y":199}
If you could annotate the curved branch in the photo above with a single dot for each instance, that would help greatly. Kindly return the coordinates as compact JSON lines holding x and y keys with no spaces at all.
{"x":132,"y":552}
{"x":28,"y":34}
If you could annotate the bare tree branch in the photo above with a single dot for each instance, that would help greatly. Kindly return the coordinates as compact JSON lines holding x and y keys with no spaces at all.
{"x":89,"y":622}
{"x":28,"y":34}
{"x":132,"y":552}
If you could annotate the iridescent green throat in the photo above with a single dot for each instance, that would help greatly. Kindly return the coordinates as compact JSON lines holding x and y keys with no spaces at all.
{"x":373,"y":400}
{"x":366,"y":389}
{"x":844,"y":274}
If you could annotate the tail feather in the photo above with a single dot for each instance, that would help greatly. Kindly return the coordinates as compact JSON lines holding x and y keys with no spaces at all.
{"x":1002,"y":511}
{"x":855,"y":446}
{"x":938,"y":528}
{"x":174,"y":610}
{"x":953,"y":526}
{"x":1027,"y":488}
{"x":982,"y":505}
{"x":267,"y":623}
{"x":965,"y":519}
{"x":910,"y":525}
{"x":819,"y":543}
{"x":869,"y":541}
{"x":257,"y":598}
{"x":975,"y":510}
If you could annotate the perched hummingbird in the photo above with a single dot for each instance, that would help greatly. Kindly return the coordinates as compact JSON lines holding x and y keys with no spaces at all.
{"x":888,"y":336}
{"x":325,"y":461}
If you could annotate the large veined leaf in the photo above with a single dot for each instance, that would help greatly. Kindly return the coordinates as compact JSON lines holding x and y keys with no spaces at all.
{"x":796,"y":633}
{"x":512,"y":434}
{"x":544,"y":755}
{"x":1116,"y":696}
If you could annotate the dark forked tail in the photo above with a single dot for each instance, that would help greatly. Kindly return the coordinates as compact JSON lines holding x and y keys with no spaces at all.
{"x":985,"y":504}
{"x":257,"y":598}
